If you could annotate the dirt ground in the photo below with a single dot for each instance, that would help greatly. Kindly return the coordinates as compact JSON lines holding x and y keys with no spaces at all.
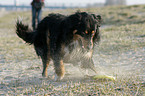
{"x":19,"y":76}
{"x":28,"y":73}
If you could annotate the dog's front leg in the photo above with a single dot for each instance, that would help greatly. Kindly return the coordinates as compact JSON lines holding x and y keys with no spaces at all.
{"x":87,"y":63}
{"x":59,"y":69}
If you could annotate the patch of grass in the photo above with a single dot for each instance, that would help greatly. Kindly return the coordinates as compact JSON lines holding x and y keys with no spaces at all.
{"x":122,"y":38}
{"x":125,"y":87}
{"x":125,"y":33}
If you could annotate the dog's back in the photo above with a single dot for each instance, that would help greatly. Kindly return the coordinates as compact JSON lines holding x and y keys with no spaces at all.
{"x":47,"y":28}
{"x":50,"y":22}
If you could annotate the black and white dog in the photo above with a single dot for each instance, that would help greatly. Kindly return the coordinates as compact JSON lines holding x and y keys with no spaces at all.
{"x":64,"y":39}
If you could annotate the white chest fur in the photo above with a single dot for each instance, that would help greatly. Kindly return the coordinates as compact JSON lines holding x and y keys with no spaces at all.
{"x":72,"y":50}
{"x":75,"y":53}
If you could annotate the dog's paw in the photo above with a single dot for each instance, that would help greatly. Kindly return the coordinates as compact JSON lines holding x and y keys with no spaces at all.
{"x":58,"y":78}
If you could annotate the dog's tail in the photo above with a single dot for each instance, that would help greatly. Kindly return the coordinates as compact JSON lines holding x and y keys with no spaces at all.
{"x":24,"y":32}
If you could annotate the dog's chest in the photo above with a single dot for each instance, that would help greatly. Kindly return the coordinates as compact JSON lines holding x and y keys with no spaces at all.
{"x":72,"y":52}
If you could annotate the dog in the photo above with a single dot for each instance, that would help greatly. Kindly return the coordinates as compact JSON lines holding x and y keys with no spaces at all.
{"x":63,"y":39}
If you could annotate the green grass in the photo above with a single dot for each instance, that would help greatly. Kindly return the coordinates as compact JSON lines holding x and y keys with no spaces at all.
{"x":125,"y":31}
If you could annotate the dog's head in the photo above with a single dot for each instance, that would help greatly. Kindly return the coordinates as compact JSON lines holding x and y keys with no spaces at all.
{"x":84,"y":28}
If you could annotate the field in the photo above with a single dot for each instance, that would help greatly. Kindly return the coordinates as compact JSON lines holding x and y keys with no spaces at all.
{"x":121,"y":53}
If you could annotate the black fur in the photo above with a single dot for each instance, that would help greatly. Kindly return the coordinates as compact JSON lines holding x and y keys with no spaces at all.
{"x":57,"y":31}
{"x":25,"y":33}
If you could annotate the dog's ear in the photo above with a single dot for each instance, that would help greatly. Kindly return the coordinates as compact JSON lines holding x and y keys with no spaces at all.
{"x":98,"y":19}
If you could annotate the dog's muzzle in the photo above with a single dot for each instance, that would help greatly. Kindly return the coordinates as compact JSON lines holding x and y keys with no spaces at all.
{"x":86,"y":47}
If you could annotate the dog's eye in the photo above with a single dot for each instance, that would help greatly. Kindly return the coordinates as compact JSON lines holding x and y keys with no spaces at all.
{"x":93,"y":32}
{"x":86,"y":32}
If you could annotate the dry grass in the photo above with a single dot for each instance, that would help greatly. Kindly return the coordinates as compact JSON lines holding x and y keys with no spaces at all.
{"x":121,"y":54}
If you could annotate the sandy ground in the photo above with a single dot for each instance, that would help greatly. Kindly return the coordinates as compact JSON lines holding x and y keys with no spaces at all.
{"x":131,"y":62}
{"x":26,"y":74}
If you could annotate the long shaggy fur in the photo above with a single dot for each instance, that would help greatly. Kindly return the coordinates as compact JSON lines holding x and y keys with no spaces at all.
{"x":25,"y":33}
{"x":58,"y":37}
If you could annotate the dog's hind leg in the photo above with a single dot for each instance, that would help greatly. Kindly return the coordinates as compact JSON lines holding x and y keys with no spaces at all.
{"x":45,"y":56}
{"x":59,"y":69}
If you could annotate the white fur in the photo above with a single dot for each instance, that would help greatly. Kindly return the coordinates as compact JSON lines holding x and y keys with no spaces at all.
{"x":74,"y":52}
{"x":58,"y":78}
{"x":88,"y":54}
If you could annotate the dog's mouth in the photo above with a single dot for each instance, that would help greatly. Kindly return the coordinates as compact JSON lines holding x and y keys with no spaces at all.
{"x":84,"y":43}
{"x":83,"y":47}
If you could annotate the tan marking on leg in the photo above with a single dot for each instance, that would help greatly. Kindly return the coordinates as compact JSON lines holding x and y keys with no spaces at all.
{"x":45,"y":60}
{"x":59,"y":70}
{"x":45,"y":66}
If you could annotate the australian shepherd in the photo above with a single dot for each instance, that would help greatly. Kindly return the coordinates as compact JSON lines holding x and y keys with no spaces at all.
{"x":63,"y":39}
